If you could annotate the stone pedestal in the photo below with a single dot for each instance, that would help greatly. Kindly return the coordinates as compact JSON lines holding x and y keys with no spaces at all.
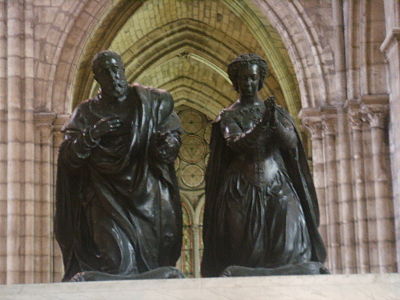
{"x":342,"y":287}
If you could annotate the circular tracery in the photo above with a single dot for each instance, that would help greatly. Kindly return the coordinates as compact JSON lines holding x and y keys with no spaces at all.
{"x":193,"y":148}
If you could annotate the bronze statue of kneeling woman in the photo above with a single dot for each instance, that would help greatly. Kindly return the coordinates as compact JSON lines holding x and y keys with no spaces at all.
{"x":261,"y":213}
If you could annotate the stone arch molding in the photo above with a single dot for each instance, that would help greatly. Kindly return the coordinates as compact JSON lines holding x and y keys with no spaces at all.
{"x":309,"y":52}
{"x":269,"y":21}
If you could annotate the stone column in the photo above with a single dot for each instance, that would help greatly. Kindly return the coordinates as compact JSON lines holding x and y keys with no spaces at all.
{"x":196,"y":254}
{"x":323,"y":129}
{"x":360,"y":211}
{"x":30,"y":244}
{"x":314,"y":126}
{"x":346,"y":205}
{"x":391,"y":49}
{"x":3,"y":142}
{"x":381,"y":213}
{"x":58,"y":137}
{"x":15,"y":139}
{"x":44,"y":196}
{"x":329,"y":125}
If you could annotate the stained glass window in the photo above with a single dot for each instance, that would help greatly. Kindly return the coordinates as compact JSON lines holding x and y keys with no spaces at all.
{"x":190,"y":167}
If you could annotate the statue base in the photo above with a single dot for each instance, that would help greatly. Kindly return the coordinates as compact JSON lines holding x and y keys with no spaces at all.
{"x":310,"y":287}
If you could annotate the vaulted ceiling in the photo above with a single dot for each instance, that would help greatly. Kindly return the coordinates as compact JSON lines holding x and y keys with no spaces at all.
{"x":185,"y":47}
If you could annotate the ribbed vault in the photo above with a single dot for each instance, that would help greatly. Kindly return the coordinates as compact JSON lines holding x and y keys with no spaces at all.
{"x":185,"y":46}
{"x":184,"y":72}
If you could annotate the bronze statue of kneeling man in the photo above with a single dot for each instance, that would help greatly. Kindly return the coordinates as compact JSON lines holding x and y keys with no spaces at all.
{"x":261,"y":212}
{"x":118,"y":212}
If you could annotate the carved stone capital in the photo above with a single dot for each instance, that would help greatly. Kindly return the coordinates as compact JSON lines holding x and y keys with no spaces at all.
{"x":44,"y":119}
{"x":311,"y":119}
{"x":375,"y":112}
{"x":314,"y":126}
{"x":329,"y":121}
{"x":44,"y":125}
{"x":355,"y":116}
{"x":329,"y":126}
{"x":320,"y":122}
{"x":60,"y":120}
{"x":376,"y":119}
{"x":356,"y":120}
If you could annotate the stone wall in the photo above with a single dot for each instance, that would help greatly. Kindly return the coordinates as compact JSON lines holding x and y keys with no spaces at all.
{"x":391,"y":48}
{"x":352,"y":176}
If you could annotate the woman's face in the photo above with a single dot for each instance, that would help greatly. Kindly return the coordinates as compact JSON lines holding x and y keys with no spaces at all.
{"x":248,"y":80}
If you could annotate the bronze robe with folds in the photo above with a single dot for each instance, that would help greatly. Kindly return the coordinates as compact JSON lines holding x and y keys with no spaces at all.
{"x":261,"y":208}
{"x":117,"y":206}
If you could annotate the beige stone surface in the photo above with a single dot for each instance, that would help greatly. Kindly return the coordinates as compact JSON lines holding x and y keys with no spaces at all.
{"x":322,"y":287}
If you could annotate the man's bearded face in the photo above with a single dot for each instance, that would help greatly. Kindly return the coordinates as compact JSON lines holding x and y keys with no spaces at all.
{"x":111,"y":77}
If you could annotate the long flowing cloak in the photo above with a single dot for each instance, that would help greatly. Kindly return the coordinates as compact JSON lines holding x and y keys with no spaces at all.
{"x":118,"y":211}
{"x":296,"y":165}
